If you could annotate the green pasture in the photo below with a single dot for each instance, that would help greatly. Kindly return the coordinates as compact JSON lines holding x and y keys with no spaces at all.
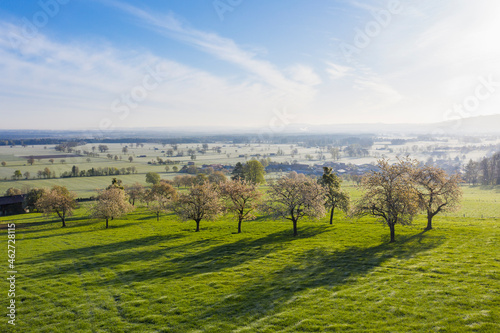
{"x":146,"y":276}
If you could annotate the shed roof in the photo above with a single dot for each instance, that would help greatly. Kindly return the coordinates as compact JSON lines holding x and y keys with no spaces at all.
{"x":13,"y":199}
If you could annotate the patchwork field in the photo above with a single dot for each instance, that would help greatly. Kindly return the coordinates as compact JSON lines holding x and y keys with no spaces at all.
{"x":146,"y":276}
{"x":15,"y":158}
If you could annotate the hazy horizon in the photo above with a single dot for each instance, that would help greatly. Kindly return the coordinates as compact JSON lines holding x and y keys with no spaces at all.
{"x":104,"y":64}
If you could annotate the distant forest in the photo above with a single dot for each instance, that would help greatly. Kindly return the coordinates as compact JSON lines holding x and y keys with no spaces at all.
{"x":484,"y":172}
{"x":364,"y":140}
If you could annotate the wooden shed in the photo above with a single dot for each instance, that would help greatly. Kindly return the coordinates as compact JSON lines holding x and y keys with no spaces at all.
{"x":11,"y":205}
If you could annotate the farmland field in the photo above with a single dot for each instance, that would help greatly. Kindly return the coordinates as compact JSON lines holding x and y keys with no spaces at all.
{"x":146,"y":155}
{"x":146,"y":276}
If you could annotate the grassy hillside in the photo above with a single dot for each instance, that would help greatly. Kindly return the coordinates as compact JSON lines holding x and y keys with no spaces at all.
{"x":146,"y":276}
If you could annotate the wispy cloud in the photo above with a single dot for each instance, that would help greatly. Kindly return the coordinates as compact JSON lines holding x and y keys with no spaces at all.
{"x":296,"y":86}
{"x":336,"y":71}
{"x":425,"y":61}
{"x":77,"y":83}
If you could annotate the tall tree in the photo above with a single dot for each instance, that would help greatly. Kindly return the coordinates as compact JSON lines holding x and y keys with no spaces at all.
{"x":111,"y":203}
{"x":103,"y":148}
{"x":116,"y":183}
{"x":242,"y":199}
{"x":294,"y":197}
{"x":58,"y":200}
{"x":75,"y":171}
{"x":200,"y":178}
{"x":135,"y":192}
{"x":203,"y":202}
{"x":160,"y":197}
{"x":472,"y":172}
{"x":178,"y":181}
{"x":237,"y":172}
{"x":11,"y":191}
{"x":217,"y":177}
{"x":437,"y":191}
{"x":335,"y":196}
{"x":389,"y":194}
{"x":187,"y":180}
{"x":484,"y":167}
{"x":32,"y":197}
{"x":254,"y":172}
{"x":17,"y":174}
{"x":152,"y":178}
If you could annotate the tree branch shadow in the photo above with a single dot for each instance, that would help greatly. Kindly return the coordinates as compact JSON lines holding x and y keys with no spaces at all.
{"x":188,"y":261}
{"x":316,"y":268}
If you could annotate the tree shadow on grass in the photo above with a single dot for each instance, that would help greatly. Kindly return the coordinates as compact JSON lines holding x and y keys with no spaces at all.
{"x":88,"y":252}
{"x":53,"y":221}
{"x":213,"y":259}
{"x":67,"y":230}
{"x":25,"y":225}
{"x":150,"y":217}
{"x":315,"y":268}
{"x":260,"y":218}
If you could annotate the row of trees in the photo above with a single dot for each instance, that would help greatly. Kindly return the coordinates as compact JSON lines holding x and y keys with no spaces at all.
{"x":76,"y":172}
{"x":395,"y":193}
{"x":45,"y":173}
{"x":106,"y":171}
{"x":252,"y":171}
{"x":484,"y":172}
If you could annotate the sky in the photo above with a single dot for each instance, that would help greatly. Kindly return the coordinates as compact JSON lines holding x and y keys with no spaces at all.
{"x":106,"y":64}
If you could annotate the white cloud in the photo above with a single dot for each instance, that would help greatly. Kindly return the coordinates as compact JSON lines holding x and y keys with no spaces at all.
{"x":304,"y":74}
{"x":336,"y":71}
{"x":300,"y":87}
{"x":77,"y":85}
{"x":386,"y":94}
{"x":427,"y":60}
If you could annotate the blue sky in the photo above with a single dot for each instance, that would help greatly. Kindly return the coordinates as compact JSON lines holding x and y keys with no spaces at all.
{"x":103,"y":64}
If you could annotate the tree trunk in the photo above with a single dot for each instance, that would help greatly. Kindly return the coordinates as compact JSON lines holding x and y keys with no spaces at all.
{"x":391,"y":226}
{"x":106,"y":223}
{"x":197,"y":225}
{"x":295,"y":233}
{"x":63,"y":221}
{"x":157,"y":217}
{"x":239,"y":225}
{"x":331,"y":215}
{"x":429,"y":222}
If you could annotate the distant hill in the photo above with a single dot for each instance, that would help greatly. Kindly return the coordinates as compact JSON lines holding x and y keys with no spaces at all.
{"x":473,"y":125}
{"x":466,"y":126}
{"x":469,"y":126}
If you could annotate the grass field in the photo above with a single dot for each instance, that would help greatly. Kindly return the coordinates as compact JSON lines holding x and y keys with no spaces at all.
{"x":146,"y":276}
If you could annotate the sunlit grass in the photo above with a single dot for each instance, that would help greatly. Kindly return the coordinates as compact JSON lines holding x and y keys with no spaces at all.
{"x":146,"y":276}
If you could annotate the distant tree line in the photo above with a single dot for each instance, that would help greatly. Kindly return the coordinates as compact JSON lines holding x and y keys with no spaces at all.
{"x":105,"y":171}
{"x":276,"y":138}
{"x":484,"y":172}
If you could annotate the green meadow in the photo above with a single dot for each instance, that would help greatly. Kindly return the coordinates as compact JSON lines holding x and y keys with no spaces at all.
{"x":141,"y":275}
